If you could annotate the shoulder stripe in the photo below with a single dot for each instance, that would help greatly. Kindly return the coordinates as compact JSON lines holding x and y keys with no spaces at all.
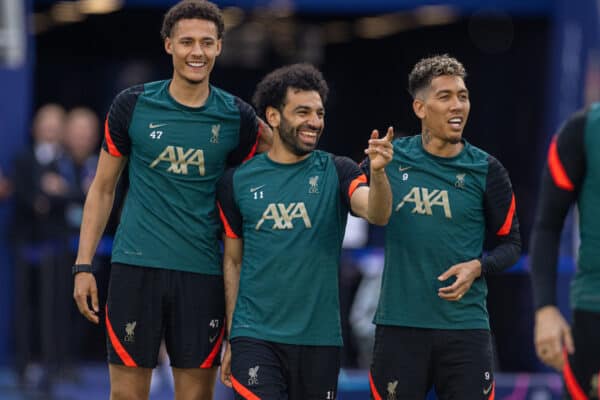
{"x":114,"y":340}
{"x":112,"y":149}
{"x":505,"y":228}
{"x":557,"y":170}
{"x":355,"y":183}
{"x":228,"y":231}
{"x":243,"y":391}
{"x":253,"y":149}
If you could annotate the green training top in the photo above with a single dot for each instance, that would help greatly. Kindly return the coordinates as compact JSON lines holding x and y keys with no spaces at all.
{"x":176,"y":155}
{"x":441,"y":207}
{"x":292,"y":219}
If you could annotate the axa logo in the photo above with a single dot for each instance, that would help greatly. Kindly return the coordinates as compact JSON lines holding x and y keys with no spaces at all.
{"x":424,"y":200}
{"x":180,"y":159}
{"x":283,"y":215}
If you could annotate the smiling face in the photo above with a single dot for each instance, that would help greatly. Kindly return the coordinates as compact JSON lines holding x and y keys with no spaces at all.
{"x":194,"y":45}
{"x":443,"y":108}
{"x":301,"y":121}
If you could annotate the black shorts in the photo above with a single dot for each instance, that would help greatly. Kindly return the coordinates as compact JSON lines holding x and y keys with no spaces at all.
{"x":407,"y":362}
{"x":582,"y":369}
{"x":275,"y":371}
{"x":145,"y":305}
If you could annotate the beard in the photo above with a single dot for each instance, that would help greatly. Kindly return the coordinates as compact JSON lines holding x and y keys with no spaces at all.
{"x":289,"y":137}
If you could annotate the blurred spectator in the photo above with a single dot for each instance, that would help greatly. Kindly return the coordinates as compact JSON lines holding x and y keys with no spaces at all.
{"x":78,"y":164}
{"x":38,"y":233}
{"x":365,"y":304}
{"x":6,"y":187}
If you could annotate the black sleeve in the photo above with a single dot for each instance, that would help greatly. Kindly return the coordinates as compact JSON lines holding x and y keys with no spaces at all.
{"x":249,"y":134}
{"x":231,"y":219}
{"x":561,"y":182}
{"x":365,"y":167}
{"x":350,"y":177}
{"x":116,"y":127}
{"x":501,"y":219}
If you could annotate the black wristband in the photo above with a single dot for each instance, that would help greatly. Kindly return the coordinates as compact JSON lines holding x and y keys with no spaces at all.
{"x":81,"y":268}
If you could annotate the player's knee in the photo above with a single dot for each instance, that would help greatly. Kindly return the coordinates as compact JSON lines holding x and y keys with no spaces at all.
{"x":124,"y":392}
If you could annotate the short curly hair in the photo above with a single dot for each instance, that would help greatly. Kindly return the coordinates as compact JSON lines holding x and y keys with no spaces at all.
{"x":272,"y":89}
{"x":432,"y":67}
{"x":190,"y":9}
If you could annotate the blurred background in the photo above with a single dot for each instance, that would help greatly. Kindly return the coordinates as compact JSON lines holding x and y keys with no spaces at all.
{"x":530,"y":64}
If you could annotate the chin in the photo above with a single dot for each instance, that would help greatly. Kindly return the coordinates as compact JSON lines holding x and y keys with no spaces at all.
{"x":454,"y":138}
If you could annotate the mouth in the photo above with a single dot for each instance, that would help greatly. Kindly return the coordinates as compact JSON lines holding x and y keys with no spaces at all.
{"x":456,"y":123}
{"x":308,"y":136}
{"x":195,"y":64}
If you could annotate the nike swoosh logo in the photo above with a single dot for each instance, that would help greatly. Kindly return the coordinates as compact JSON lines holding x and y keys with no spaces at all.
{"x":212,"y":339}
{"x":154,"y":126}
{"x":486,"y":391}
{"x":254,"y":189}
{"x":404,"y":169}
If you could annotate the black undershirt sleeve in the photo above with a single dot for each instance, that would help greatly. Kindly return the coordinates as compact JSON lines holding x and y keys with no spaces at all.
{"x":561,"y":182}
{"x":116,"y":127}
{"x":350,"y":177}
{"x":501,"y":219}
{"x":229,"y":213}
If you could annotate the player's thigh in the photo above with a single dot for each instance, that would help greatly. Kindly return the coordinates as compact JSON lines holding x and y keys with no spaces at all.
{"x":258,"y":369}
{"x":194,"y":327}
{"x":463,"y":362}
{"x":194,"y":383}
{"x":133,"y":315}
{"x":400,"y":366}
{"x":128,"y":383}
{"x":313,"y":373}
{"x":581,"y":372}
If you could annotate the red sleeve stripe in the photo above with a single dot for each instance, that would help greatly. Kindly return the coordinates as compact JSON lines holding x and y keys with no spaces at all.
{"x":112,"y":149}
{"x":253,"y":150}
{"x":242,"y":391}
{"x":116,"y":344}
{"x":376,"y":395}
{"x":557,"y":170}
{"x":505,"y":228}
{"x":228,"y":231}
{"x":208,"y":363}
{"x":571,"y":382}
{"x":354,"y":184}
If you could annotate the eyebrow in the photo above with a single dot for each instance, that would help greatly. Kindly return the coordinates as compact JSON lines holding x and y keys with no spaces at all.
{"x":304,"y":107}
{"x":448,"y":91}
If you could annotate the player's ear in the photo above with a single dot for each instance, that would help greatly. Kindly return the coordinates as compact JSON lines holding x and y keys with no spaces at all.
{"x":219,"y":46}
{"x":419,"y":107}
{"x":273,"y":116}
{"x":168,"y":45}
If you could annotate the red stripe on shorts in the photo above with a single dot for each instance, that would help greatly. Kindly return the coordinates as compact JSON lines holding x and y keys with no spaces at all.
{"x":211,"y":357}
{"x":571,"y":382}
{"x":376,"y":395}
{"x":114,"y":340}
{"x":243,"y":391}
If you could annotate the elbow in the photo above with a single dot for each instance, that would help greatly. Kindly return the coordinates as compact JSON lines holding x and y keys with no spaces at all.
{"x":380,"y":219}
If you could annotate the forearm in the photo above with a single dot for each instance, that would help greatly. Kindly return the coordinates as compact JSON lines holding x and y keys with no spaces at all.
{"x":543,"y":255}
{"x":96,"y":212}
{"x":231,"y":276}
{"x":380,"y":198}
{"x":504,"y":255}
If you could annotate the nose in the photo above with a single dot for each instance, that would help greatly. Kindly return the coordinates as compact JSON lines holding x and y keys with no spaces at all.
{"x":315,"y":121}
{"x":457,"y":104}
{"x":197,"y":49}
